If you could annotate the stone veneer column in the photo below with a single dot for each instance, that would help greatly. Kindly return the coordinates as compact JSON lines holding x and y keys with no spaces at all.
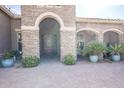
{"x":121,"y":38}
{"x":30,"y":43}
{"x":100,"y":37}
{"x":67,"y":43}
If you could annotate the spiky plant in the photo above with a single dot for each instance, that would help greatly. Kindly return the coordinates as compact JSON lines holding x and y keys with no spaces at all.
{"x":116,"y":49}
{"x":94,"y":48}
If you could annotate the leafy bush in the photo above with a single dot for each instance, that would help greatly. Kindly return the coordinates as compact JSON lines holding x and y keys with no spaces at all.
{"x":31,"y":61}
{"x":94,"y":48}
{"x":8,"y":55}
{"x":69,"y":60}
{"x":116,"y":49}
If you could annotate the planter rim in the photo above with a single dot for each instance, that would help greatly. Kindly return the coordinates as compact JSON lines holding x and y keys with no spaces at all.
{"x":115,"y":54}
{"x":8,"y":58}
{"x":93,"y":55}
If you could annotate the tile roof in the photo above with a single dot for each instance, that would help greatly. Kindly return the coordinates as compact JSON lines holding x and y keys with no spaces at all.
{"x":99,"y":20}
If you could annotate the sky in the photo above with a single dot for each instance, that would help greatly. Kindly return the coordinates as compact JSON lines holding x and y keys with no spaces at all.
{"x":111,"y":11}
{"x":91,"y":11}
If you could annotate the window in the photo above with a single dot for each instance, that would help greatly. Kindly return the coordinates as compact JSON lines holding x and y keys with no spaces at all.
{"x":19,"y":41}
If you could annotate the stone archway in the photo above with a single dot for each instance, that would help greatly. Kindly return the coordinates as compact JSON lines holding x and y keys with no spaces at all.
{"x":30,"y":36}
{"x":84,"y":36}
{"x":49,"y":15}
{"x":55,"y":21}
{"x":49,"y":37}
{"x":112,"y":36}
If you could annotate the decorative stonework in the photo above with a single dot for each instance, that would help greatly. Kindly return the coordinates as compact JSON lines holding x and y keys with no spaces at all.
{"x":30,"y":33}
{"x":114,"y":30}
{"x":49,"y":15}
{"x":68,"y":43}
{"x":89,"y":29}
{"x":69,"y":27}
{"x":101,"y":26}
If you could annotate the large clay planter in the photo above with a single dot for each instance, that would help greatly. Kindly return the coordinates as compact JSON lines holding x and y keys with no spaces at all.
{"x":94,"y":58}
{"x":7,"y":62}
{"x":116,"y":58}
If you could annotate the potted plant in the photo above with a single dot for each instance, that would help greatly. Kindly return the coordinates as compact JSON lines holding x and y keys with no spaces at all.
{"x":8,"y":59}
{"x":93,"y":50}
{"x":122,"y":54}
{"x":115,"y":51}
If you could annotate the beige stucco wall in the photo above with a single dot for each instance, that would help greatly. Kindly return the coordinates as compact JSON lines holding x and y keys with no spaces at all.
{"x":15,"y":24}
{"x":5,"y":32}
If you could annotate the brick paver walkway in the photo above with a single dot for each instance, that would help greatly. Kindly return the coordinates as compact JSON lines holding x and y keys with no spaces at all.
{"x":55,"y":74}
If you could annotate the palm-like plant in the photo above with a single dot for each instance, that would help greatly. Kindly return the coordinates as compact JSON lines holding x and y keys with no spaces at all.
{"x":94,"y":48}
{"x":116,"y":49}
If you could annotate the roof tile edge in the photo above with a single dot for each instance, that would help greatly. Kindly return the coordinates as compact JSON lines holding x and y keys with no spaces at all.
{"x":99,"y":20}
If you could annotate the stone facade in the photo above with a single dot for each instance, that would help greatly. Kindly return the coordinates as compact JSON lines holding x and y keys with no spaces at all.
{"x":31,"y":18}
{"x":69,"y":27}
{"x":100,"y":26}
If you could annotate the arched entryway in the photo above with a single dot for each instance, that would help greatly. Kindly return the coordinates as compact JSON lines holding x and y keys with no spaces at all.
{"x":111,"y":38}
{"x":85,"y":36}
{"x":49,"y":36}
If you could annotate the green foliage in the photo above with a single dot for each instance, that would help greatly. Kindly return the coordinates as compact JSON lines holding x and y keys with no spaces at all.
{"x":8,"y":55}
{"x":116,"y":49}
{"x":69,"y":60}
{"x":31,"y":61}
{"x":94,"y":48}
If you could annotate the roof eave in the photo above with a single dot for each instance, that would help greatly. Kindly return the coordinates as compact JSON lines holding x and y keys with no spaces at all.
{"x":8,"y":12}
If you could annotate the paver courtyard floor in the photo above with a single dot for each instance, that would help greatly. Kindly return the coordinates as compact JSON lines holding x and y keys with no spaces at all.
{"x":53,"y":74}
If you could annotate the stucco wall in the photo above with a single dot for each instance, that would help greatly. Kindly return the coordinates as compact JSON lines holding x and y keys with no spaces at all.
{"x":5,"y":32}
{"x":15,"y":24}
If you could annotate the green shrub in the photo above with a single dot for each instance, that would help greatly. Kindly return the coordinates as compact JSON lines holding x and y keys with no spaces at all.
{"x":8,"y":55}
{"x":31,"y":61}
{"x":69,"y":60}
